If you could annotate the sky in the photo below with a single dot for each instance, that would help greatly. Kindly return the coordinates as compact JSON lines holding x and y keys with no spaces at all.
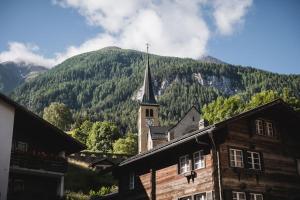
{"x":260,"y":33}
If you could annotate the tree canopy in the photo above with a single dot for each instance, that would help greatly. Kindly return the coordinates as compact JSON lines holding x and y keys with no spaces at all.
{"x":223,"y":108}
{"x":59,"y":115}
{"x":126,"y":145}
{"x":102,"y":136}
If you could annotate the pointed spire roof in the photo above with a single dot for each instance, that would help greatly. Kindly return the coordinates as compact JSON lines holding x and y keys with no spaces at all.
{"x":148,"y":96}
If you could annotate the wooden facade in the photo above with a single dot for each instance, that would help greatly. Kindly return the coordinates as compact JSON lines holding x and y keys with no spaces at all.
{"x":239,"y":163}
{"x":35,"y":155}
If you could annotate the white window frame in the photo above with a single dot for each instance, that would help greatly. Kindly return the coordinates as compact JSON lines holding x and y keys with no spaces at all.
{"x":233,"y":157}
{"x":265,"y":128}
{"x":269,"y":129}
{"x":184,"y":166}
{"x":259,"y":127}
{"x":253,"y":161}
{"x":256,"y":196}
{"x":203,"y":196}
{"x":199,"y":160}
{"x":131,"y":181}
{"x":237,"y":195}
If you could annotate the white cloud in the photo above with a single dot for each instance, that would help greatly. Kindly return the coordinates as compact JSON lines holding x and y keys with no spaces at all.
{"x":228,"y":14}
{"x":27,"y":53}
{"x":172,"y":27}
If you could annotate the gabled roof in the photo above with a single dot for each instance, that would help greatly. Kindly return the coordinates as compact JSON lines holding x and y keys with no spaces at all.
{"x":191,"y":136}
{"x":72,"y":144}
{"x":193,"y":107}
{"x":148,"y":96}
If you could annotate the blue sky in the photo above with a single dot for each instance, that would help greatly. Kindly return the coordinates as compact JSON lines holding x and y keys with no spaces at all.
{"x":263,"y":34}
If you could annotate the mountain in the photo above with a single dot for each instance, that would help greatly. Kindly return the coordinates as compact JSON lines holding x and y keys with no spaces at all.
{"x":105,"y":85}
{"x":210,"y":59}
{"x":13,"y":74}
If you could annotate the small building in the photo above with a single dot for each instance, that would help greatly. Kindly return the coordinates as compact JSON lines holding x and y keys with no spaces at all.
{"x":32,"y":154}
{"x":252,"y":156}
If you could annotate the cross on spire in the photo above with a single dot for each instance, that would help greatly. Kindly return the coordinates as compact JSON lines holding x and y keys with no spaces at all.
{"x":147,"y":46}
{"x":148,"y":96}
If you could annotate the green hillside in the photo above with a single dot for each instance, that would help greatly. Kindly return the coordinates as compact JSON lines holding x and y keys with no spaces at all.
{"x":104,"y":84}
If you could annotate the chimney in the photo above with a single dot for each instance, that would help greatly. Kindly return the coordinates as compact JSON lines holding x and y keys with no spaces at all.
{"x":202,"y":123}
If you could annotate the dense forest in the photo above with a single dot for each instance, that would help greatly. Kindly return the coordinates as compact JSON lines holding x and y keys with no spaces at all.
{"x":104,"y":85}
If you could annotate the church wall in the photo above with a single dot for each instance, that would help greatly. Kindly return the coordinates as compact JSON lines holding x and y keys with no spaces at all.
{"x":187,"y":124}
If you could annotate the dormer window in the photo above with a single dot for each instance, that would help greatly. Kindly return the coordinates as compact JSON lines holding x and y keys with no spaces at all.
{"x":264,"y":128}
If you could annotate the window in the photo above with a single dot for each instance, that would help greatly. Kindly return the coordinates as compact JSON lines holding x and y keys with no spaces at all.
{"x":259,"y":127}
{"x":269,"y":129}
{"x":204,"y":196}
{"x":199,"y":161}
{"x":151,"y":112}
{"x":184,"y":164}
{"x":238,"y":195}
{"x":201,"y":196}
{"x":185,"y":198}
{"x":265,"y":128}
{"x":131,"y":181}
{"x":254,"y":196}
{"x":236,"y":158}
{"x":210,"y":195}
{"x":253,"y":160}
{"x":21,"y":146}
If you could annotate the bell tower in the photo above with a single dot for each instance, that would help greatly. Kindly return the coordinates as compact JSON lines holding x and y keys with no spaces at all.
{"x":148,"y":110}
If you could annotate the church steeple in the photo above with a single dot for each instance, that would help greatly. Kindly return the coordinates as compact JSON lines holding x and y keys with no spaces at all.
{"x":148,"y":96}
{"x":148,"y":111}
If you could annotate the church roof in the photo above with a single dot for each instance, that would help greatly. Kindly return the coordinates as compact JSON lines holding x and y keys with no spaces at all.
{"x":159,"y":132}
{"x":148,"y":95}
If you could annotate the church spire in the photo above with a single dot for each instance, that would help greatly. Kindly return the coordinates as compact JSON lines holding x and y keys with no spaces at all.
{"x":148,"y":96}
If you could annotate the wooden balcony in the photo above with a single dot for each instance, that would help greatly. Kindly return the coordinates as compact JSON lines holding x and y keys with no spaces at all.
{"x":38,"y":162}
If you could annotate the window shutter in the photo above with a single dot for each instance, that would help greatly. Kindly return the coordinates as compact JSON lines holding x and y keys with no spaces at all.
{"x":227,"y":194}
{"x":245,"y":160}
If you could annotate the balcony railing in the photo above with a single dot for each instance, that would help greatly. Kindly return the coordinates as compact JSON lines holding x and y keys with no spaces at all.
{"x":38,"y":162}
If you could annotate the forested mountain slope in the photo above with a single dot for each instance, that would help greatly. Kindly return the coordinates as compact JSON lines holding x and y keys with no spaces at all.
{"x":105,"y":84}
{"x":14,"y":74}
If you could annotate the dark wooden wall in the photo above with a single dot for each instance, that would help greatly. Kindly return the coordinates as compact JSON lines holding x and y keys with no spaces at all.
{"x":158,"y":178}
{"x":278,"y":178}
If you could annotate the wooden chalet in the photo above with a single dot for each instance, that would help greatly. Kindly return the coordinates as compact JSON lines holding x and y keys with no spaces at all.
{"x":252,"y":156}
{"x":32,"y":154}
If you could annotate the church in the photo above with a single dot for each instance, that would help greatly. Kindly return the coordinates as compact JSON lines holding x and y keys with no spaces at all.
{"x":254,"y":155}
{"x":150,"y":133}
